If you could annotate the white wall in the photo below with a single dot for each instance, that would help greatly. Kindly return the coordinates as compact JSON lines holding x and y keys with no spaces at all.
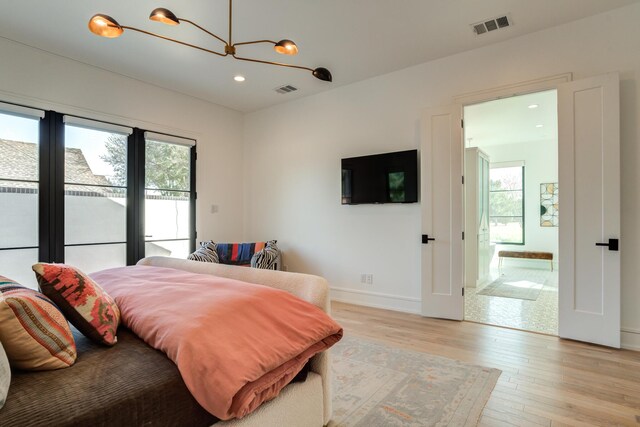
{"x":40,"y":79}
{"x":293,"y":151}
{"x":540,"y":166}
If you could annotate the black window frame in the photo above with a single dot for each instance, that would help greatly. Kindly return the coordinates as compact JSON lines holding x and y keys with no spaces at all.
{"x":193,"y":195}
{"x":51,"y":191}
{"x":43,"y":244}
{"x":522,"y":191}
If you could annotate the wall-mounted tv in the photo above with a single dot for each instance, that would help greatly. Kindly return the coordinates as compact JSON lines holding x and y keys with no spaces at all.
{"x":380,"y":178}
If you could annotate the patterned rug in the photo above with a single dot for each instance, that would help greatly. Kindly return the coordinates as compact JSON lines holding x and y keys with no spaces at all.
{"x":376,"y":385}
{"x":520,"y":284}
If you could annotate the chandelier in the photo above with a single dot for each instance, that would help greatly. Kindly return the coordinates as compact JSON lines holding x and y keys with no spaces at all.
{"x":105,"y":26}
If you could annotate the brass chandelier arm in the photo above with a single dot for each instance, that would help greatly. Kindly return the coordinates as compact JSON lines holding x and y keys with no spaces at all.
{"x":255,"y":42}
{"x":280,"y":64}
{"x":173,"y":40}
{"x":230,"y":20}
{"x":202,"y":29}
{"x":105,"y":26}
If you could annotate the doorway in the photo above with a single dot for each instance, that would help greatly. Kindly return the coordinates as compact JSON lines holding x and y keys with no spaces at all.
{"x":589,"y":154}
{"x":511,"y":212}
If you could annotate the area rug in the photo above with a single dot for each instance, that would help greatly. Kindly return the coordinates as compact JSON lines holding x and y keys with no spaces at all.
{"x":520,"y":284}
{"x":377,"y":385}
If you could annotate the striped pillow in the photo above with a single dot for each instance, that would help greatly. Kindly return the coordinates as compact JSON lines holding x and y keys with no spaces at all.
{"x":205,"y":253}
{"x":87,"y":306}
{"x":34,"y":333}
{"x":267,"y":258}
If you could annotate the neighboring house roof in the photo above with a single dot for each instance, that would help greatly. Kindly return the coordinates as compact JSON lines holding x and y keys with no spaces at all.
{"x":19,"y":161}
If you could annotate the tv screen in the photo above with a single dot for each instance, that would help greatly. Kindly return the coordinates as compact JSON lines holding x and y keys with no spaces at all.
{"x":380,"y":178}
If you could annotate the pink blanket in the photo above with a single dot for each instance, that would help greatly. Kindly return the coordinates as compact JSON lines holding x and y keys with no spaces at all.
{"x":236,"y":344}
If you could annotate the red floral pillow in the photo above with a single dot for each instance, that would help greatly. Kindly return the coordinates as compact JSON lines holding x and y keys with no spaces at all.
{"x":87,"y":306}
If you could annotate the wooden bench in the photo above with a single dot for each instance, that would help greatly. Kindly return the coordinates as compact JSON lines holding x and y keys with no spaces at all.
{"x":547,"y":256}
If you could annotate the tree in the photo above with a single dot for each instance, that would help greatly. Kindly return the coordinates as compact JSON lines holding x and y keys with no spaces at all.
{"x":505,"y":201}
{"x":167,"y":166}
{"x":116,"y":156}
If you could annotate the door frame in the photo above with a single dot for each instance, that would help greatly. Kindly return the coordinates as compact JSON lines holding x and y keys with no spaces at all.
{"x":502,"y":92}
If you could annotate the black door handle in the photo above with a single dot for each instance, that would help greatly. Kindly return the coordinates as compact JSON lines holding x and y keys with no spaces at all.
{"x":612,"y":245}
{"x":426,"y":238}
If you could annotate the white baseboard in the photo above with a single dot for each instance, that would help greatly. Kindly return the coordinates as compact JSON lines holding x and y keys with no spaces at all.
{"x":377,"y":300}
{"x":630,"y":339}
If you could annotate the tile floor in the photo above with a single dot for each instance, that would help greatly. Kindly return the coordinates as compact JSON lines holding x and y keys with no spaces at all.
{"x":540,"y":315}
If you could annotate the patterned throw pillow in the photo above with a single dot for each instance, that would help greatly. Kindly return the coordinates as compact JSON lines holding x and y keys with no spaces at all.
{"x":205,"y":253}
{"x":238,"y":253}
{"x":267,"y":258}
{"x":87,"y":306}
{"x":33,"y":332}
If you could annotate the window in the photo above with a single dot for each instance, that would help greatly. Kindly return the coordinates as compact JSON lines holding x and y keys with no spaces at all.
{"x":506,"y":203}
{"x":95,"y":188}
{"x":167,"y":188}
{"x":19,"y":188}
{"x":75,"y":191}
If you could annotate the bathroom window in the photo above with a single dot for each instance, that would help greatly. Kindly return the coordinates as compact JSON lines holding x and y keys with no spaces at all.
{"x":506,"y":204}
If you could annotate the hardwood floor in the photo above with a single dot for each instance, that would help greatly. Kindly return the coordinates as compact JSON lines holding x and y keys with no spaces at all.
{"x":545,"y":381}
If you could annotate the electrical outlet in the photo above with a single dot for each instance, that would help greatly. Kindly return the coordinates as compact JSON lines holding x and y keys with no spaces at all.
{"x":363,"y":278}
{"x":369,"y":279}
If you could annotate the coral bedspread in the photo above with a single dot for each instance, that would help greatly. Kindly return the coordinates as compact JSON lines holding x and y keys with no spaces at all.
{"x":236,"y":344}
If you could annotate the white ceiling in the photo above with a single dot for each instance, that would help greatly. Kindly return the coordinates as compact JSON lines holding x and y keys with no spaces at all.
{"x":355,"y":39}
{"x":511,"y":121}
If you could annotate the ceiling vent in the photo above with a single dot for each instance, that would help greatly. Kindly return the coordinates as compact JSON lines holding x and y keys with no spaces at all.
{"x":286,"y":89}
{"x":492,"y":24}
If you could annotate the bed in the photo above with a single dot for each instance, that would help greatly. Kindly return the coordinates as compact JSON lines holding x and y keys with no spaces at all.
{"x":134,"y":384}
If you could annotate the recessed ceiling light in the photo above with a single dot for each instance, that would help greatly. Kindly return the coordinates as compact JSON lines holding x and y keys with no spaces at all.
{"x":532,"y":106}
{"x":239,"y":78}
{"x":539,"y":126}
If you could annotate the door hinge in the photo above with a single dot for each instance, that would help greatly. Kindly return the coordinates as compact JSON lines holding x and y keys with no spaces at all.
{"x":463,"y":235}
{"x":195,"y":156}
{"x":462,"y":123}
{"x":462,"y":179}
{"x":195,"y":195}
{"x":462,"y":291}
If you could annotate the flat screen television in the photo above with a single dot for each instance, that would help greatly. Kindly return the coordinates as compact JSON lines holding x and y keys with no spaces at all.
{"x":380,"y":178}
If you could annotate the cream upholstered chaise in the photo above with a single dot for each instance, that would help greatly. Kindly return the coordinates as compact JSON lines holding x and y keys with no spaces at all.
{"x":299,"y":404}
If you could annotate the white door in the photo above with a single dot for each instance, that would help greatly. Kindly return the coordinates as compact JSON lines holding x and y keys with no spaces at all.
{"x":442,"y":213}
{"x":589,"y":178}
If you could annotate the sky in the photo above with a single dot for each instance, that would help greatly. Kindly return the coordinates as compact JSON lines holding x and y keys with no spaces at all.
{"x":90,"y":141}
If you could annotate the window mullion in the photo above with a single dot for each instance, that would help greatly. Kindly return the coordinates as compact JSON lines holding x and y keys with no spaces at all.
{"x":135,"y":197}
{"x":51,"y":189}
{"x":45,"y":190}
{"x":193,"y":197}
{"x":58,"y":145}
